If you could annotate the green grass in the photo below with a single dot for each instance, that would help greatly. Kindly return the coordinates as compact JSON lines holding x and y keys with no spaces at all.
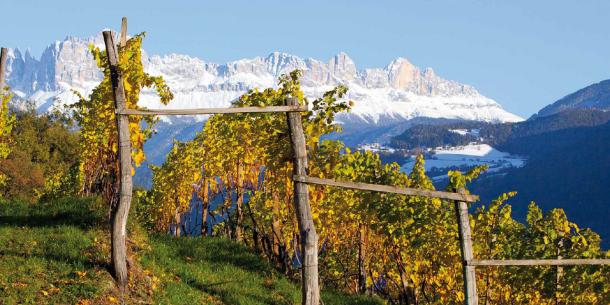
{"x":220,"y":271}
{"x":57,"y":253}
{"x":48,"y":253}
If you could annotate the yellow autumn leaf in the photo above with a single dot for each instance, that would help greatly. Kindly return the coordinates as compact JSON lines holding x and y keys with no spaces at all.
{"x":81,"y":274}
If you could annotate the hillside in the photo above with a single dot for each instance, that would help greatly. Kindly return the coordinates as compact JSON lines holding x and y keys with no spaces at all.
{"x":567,"y":169}
{"x":57,"y":253}
{"x":433,"y":135}
{"x":596,"y":96}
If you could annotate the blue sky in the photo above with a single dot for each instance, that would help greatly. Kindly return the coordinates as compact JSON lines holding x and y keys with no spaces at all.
{"x":524,"y":54}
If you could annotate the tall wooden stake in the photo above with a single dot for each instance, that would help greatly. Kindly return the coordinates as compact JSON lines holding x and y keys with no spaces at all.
{"x":123,"y":39}
{"x":559,"y":274}
{"x":309,"y":238}
{"x":205,"y":193}
{"x":3,"y":53}
{"x":470,"y":279}
{"x":121,"y":210}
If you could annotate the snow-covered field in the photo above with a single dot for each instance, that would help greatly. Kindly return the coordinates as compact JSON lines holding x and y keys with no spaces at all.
{"x":463,"y":132}
{"x":376,"y":147}
{"x":470,"y":155}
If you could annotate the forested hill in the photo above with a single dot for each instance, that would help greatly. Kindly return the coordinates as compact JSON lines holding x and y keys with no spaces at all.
{"x":596,"y":96}
{"x":501,"y":133}
{"x":567,"y":169}
{"x":496,"y":134}
{"x":435,"y":135}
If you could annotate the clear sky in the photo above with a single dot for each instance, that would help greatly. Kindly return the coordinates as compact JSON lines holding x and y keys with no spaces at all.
{"x":524,"y":54}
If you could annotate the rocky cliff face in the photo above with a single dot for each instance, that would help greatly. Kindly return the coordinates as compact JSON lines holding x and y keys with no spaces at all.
{"x":401,"y":91}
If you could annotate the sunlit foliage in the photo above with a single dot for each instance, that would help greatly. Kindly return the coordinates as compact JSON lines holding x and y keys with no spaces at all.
{"x":96,"y":118}
{"x":404,"y":248}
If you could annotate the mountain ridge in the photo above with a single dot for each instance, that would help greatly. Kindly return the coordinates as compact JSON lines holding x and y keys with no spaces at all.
{"x":398,"y":92}
{"x":594,"y":96}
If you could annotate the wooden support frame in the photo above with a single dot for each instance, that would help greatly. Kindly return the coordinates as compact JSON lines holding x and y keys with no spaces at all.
{"x":310,"y":290}
{"x":539,"y":262}
{"x":461,"y":199}
{"x":120,"y":212}
{"x":309,"y":238}
{"x":386,"y":188}
{"x":268,"y":109}
{"x":468,"y":271}
{"x":308,"y":235}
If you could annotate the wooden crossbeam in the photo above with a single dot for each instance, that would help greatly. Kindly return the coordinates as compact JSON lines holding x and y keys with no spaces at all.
{"x":540,"y":262}
{"x":268,"y":109}
{"x":387,"y":189}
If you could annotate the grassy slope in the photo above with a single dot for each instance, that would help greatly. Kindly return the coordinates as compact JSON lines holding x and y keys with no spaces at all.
{"x":57,"y":253}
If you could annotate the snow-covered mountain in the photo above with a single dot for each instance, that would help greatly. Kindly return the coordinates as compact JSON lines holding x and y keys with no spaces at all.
{"x":383,"y":96}
{"x":595,"y":96}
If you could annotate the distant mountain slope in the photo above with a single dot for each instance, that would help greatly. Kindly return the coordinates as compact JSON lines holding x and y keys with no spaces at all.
{"x":596,"y":96}
{"x":567,"y":169}
{"x":430,"y":136}
{"x":433,"y":135}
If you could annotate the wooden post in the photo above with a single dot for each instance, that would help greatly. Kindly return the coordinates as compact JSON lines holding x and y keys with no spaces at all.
{"x":362,"y":253}
{"x":559,"y":274}
{"x":470,"y":279}
{"x":3,"y":53}
{"x":121,"y":211}
{"x":309,"y":238}
{"x":276,"y":226}
{"x":204,"y":206}
{"x":239,"y":213}
{"x":123,"y":39}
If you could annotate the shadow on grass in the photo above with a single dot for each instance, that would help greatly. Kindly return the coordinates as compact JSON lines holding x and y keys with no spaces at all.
{"x":48,"y":221}
{"x":232,"y":272}
{"x":82,"y":213}
{"x":62,"y":233}
{"x":205,"y":287}
{"x":56,"y":231}
{"x":53,"y":247}
{"x":224,"y":269}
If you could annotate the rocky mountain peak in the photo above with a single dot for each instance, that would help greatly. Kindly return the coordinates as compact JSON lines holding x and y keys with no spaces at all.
{"x":342,"y":67}
{"x":279,"y":63}
{"x":403,"y":74}
{"x":400,"y":91}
